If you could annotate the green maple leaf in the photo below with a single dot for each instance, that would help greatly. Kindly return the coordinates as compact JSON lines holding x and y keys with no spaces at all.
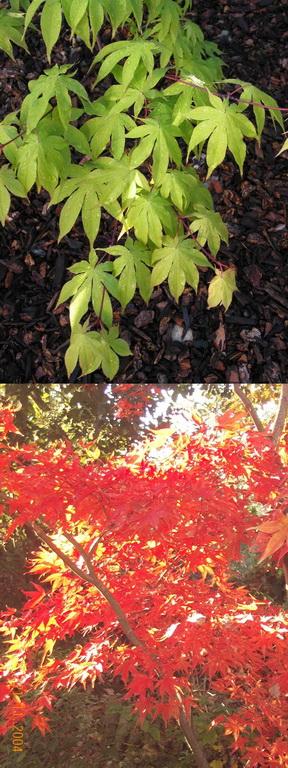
{"x":222,"y":287}
{"x":166,"y":28}
{"x":82,"y":194}
{"x":210,"y":226}
{"x":54,"y":83}
{"x":42,"y":158}
{"x":226,"y":126}
{"x":253,"y":94}
{"x":111,"y":125}
{"x":177,"y":260}
{"x":92,"y":282}
{"x":132,"y":268}
{"x":185,"y":189}
{"x":85,"y":347}
{"x":134,"y":51}
{"x":157,"y":139}
{"x":149,"y":214}
{"x":122,"y":179}
{"x":94,"y":350}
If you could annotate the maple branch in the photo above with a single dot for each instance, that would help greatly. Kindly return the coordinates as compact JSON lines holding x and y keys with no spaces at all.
{"x":186,"y":726}
{"x":249,"y":407}
{"x":91,"y":578}
{"x":192,"y":739}
{"x":279,"y":422}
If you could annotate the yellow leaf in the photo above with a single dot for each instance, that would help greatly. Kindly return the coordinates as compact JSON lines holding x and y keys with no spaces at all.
{"x":284,"y":148}
{"x":48,"y":648}
{"x":222,"y":287}
{"x":161,"y":437}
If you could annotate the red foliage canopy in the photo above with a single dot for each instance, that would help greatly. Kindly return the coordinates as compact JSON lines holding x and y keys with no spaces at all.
{"x":137,"y":559}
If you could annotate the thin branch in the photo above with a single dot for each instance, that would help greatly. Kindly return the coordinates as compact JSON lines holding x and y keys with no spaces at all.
{"x":225,"y":95}
{"x":279,"y":422}
{"x":249,"y":407}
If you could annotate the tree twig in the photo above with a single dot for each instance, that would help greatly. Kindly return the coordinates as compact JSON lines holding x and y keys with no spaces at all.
{"x":249,"y":407}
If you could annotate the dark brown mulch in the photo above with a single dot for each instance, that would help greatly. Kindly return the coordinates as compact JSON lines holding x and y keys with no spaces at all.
{"x":249,"y":342}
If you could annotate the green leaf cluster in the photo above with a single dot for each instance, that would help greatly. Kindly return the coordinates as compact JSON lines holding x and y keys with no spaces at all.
{"x":93,"y":349}
{"x":126,"y":155}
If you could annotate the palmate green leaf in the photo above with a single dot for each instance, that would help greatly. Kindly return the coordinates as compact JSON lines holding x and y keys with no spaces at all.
{"x":83,"y":195}
{"x":111,"y":126}
{"x":166,"y":29}
{"x":185,"y":190}
{"x":186,"y":96}
{"x":210,"y":227}
{"x":112,"y":347}
{"x":41,"y":159}
{"x":221,"y":288}
{"x":85,"y":348}
{"x":93,"y":349}
{"x":11,"y":31}
{"x":142,"y":88}
{"x":226,"y":127}
{"x":253,"y":94}
{"x":8,"y":184}
{"x":177,"y":260}
{"x":122,"y":179}
{"x":92,"y":282}
{"x":149,"y":214}
{"x":54,"y":83}
{"x":132,"y":269}
{"x":133,"y":51}
{"x":157,"y":139}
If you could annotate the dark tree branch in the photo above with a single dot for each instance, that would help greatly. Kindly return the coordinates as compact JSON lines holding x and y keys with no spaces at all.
{"x":192,"y":739}
{"x":279,"y":422}
{"x":249,"y":407}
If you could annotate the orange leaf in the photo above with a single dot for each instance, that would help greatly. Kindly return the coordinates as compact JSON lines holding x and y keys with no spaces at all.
{"x":38,"y":721}
{"x":231,"y":420}
{"x":276,"y":541}
{"x":272,"y":526}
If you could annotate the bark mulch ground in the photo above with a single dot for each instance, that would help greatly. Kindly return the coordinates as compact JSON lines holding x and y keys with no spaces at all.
{"x":248,"y":343}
